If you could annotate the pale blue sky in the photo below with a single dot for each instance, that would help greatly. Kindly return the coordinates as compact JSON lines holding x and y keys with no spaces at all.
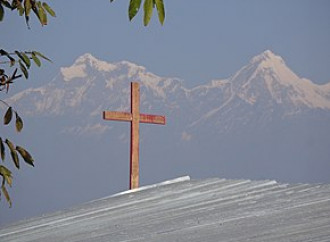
{"x":200,"y":40}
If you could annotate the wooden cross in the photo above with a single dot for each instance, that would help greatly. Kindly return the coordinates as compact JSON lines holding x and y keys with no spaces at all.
{"x":135,"y":117}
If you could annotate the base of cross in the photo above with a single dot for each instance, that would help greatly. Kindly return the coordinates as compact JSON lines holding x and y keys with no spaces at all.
{"x":135,"y":117}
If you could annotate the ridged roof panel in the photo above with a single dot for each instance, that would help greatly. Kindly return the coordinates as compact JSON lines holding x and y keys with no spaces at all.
{"x":190,"y":210}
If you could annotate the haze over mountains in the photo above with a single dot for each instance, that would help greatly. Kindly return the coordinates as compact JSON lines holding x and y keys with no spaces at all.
{"x":263,"y":122}
{"x":263,"y":90}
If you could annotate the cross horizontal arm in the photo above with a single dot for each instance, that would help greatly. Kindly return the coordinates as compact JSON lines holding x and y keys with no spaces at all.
{"x":152,"y":119}
{"x":119,"y":116}
{"x":144,"y":118}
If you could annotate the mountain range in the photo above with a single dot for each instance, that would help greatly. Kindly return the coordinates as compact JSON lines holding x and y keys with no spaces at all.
{"x":263,"y":122}
{"x":262,"y":91}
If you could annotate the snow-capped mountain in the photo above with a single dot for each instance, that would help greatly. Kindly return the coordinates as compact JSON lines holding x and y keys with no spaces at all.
{"x":267,"y":77}
{"x":89,"y":85}
{"x":263,"y":122}
{"x":260,"y":91}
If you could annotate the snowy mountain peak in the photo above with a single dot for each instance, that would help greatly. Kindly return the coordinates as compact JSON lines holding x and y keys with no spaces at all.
{"x":79,"y":68}
{"x":91,"y":61}
{"x":266,"y":65}
{"x":266,"y":57}
{"x":269,"y":62}
{"x":275,"y":66}
{"x":85,"y":58}
{"x":131,"y":65}
{"x":266,"y":77}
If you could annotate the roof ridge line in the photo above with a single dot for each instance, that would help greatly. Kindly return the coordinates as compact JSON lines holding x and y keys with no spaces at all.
{"x":172,"y":181}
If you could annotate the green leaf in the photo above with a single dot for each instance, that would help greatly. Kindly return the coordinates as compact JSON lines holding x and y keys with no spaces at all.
{"x":35,"y":10}
{"x":41,"y":55}
{"x":20,"y":8}
{"x":26,"y":59}
{"x":18,"y":123}
{"x":23,"y":69}
{"x":6,"y":173}
{"x":10,"y":144}
{"x":2,"y":149}
{"x":148,"y":7}
{"x":9,"y":180}
{"x":25,"y":155}
{"x":13,"y":152}
{"x":36,"y":59}
{"x":134,"y":7}
{"x":5,"y":192}
{"x":8,"y":116}
{"x":14,"y":156}
{"x":27,"y":6}
{"x":161,"y":10}
{"x":2,"y":12}
{"x":42,"y":15}
{"x":49,"y":10}
{"x":19,"y":54}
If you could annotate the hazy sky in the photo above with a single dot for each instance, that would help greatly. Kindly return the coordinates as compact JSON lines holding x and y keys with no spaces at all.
{"x":200,"y":40}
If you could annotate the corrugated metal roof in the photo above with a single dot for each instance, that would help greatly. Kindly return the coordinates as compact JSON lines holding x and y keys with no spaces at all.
{"x":191,"y":210}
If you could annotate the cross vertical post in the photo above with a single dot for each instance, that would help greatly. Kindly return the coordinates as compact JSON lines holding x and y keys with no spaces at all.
{"x":135,"y":117}
{"x":135,"y":130}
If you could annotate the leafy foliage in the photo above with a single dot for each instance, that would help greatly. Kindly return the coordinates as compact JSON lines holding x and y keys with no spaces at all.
{"x":7,"y":178}
{"x":148,"y":6}
{"x":14,"y":150}
{"x":19,"y":62}
{"x":24,"y":7}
